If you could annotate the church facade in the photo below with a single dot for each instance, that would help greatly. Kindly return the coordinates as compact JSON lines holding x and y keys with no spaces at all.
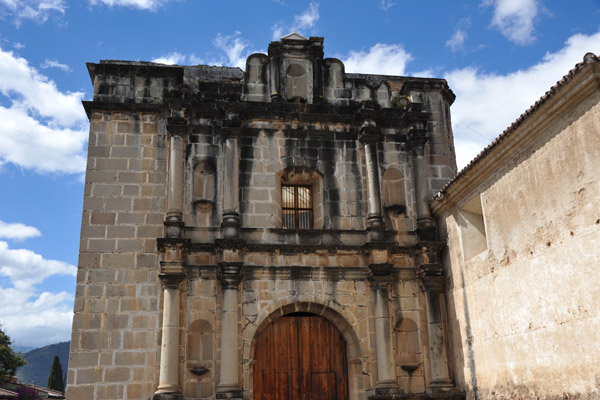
{"x":262,"y":234}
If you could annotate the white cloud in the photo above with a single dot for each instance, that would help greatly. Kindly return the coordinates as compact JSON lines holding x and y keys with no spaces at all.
{"x":55,"y":64}
{"x":38,"y":10}
{"x":32,"y":319}
{"x":41,"y":114}
{"x":234,"y":47}
{"x":19,"y":46}
{"x":26,"y":269}
{"x":175,"y":58}
{"x":172,"y":58}
{"x":17,"y":231}
{"x":382,"y":59}
{"x":36,"y":93}
{"x":487,"y":103}
{"x":386,"y":4}
{"x":515,"y":18}
{"x":457,"y":41}
{"x":140,"y":4}
{"x":302,"y":22}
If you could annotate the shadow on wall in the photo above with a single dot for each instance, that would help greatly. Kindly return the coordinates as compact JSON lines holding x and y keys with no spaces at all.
{"x":461,"y":365}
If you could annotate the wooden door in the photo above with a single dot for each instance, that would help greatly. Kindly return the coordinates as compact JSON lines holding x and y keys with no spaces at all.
{"x":300,"y":357}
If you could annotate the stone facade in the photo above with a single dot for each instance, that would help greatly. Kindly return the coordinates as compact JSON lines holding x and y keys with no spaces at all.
{"x":185,"y":255}
{"x":523,"y":227}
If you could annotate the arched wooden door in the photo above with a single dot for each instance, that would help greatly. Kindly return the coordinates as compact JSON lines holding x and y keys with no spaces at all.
{"x":300,"y":357}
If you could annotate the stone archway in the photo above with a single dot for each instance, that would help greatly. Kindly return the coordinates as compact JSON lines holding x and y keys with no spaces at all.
{"x":357,"y":380}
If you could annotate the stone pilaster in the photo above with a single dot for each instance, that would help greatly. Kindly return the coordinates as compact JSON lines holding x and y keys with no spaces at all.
{"x":230,"y":276}
{"x":316,"y":52}
{"x":380,"y":278}
{"x":231,"y":200}
{"x":433,"y":281}
{"x":177,"y":129}
{"x":274,"y":56}
{"x":168,"y":384}
{"x":426,"y":224}
{"x":370,"y":135}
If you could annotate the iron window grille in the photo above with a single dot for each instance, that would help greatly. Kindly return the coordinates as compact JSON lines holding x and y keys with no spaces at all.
{"x":297,"y":206}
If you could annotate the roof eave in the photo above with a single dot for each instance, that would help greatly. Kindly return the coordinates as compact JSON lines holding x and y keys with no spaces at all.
{"x":580,"y":82}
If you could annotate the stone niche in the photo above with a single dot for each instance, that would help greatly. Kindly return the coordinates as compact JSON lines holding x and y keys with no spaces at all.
{"x":298,"y":74}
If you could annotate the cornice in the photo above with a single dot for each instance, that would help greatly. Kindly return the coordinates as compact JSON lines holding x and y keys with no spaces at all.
{"x":90,"y":106}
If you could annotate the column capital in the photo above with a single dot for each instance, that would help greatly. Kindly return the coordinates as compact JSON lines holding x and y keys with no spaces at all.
{"x":171,"y":281}
{"x":417,"y":137}
{"x":427,"y":228}
{"x":432,"y":283}
{"x":232,"y":119}
{"x":369,"y":132}
{"x":177,"y":126}
{"x":230,"y":274}
{"x":230,"y":132}
{"x":380,"y":275}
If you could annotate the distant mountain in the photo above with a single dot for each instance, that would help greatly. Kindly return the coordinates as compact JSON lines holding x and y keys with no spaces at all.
{"x":39,"y":362}
{"x":23,"y":349}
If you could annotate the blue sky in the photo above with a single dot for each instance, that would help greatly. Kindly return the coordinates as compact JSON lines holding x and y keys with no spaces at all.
{"x":499,"y":57}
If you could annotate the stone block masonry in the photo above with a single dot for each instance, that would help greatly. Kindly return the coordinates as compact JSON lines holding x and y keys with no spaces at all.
{"x":190,"y":251}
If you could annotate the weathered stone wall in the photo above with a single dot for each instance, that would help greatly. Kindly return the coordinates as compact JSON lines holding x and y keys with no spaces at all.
{"x":527,"y":308}
{"x":115,"y":327}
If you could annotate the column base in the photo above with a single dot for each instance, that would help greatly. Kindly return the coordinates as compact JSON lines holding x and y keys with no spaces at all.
{"x":231,"y":224}
{"x":456,"y":395}
{"x":174,"y":226}
{"x":442,"y":386}
{"x":386,"y":391}
{"x":375,"y":230}
{"x":418,"y":396}
{"x":427,"y":229}
{"x":168,"y":396}
{"x":229,"y":392}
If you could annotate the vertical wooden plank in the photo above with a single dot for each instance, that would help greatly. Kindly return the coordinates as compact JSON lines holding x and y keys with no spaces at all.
{"x":304,"y":355}
{"x":280,"y":359}
{"x":293,"y":357}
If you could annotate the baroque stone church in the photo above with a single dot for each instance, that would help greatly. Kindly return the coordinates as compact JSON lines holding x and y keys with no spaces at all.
{"x":265,"y":234}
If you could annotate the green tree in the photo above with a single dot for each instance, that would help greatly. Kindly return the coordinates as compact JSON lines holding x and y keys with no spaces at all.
{"x":55,"y":380}
{"x":9,"y":360}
